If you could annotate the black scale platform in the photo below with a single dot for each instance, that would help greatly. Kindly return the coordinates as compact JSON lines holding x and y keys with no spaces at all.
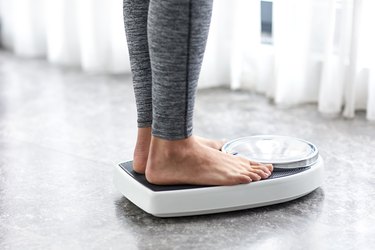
{"x":128,"y":168}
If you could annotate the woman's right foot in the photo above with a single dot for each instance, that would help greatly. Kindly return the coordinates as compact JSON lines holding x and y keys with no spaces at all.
{"x":215,"y":144}
{"x":142,"y":147}
{"x":189,"y":162}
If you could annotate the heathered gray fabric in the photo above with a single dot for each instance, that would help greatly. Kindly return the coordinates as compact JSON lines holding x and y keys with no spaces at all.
{"x":135,"y":20}
{"x":177,"y":33}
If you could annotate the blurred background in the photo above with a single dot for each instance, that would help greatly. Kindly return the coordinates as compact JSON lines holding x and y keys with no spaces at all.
{"x":302,"y":68}
{"x":293,"y":51}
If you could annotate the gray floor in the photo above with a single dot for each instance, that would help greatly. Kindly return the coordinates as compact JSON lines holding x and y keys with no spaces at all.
{"x":62,"y":131}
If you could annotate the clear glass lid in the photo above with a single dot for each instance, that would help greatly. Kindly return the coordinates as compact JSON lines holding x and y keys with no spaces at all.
{"x":282,"y":151}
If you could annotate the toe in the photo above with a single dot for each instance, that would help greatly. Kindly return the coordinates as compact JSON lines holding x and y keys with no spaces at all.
{"x":244,"y":179}
{"x":261,"y":173}
{"x":254,"y":163}
{"x":254,"y":176}
{"x":263,"y":168}
{"x":269,"y":167}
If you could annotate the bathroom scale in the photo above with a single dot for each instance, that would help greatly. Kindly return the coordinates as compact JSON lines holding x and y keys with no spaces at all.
{"x":298,"y":170}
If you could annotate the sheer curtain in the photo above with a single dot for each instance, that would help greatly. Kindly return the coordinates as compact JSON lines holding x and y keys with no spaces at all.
{"x":321,"y":50}
{"x":85,"y":33}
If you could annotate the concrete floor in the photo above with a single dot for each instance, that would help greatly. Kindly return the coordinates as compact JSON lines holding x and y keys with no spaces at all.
{"x":62,"y":131}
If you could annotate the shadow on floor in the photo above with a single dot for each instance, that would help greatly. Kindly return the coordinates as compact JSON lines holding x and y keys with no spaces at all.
{"x":249,"y":223}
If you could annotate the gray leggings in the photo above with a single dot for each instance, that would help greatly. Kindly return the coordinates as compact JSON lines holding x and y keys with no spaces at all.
{"x":166,"y":41}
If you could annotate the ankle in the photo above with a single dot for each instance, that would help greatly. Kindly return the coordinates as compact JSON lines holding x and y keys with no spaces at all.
{"x":166,"y":157}
{"x":170,"y":148}
{"x":141,"y":150}
{"x":142,"y":145}
{"x":144,"y":135}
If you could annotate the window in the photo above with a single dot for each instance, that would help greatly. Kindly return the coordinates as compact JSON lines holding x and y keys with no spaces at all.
{"x":266,"y":21}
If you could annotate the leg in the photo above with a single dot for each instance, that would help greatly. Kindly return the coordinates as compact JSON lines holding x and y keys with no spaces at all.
{"x":135,"y":20}
{"x":177,"y":33}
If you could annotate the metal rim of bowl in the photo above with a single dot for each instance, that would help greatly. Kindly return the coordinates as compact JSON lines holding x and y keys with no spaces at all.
{"x":298,"y":163}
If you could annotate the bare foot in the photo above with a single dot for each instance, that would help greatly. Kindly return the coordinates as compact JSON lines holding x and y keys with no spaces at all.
{"x":215,"y":144}
{"x":188,"y":162}
{"x":143,"y":144}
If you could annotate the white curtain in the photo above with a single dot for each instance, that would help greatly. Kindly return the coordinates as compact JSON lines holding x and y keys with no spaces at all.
{"x":322,"y":50}
{"x":85,"y":33}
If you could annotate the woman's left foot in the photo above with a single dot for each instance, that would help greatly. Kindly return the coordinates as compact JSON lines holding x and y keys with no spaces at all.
{"x":141,"y":150}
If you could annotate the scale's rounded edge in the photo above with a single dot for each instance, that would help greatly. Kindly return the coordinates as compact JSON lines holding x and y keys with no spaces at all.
{"x":134,"y":191}
{"x":230,"y":198}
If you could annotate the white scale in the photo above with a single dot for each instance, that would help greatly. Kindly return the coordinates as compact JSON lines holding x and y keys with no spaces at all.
{"x":298,"y":170}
